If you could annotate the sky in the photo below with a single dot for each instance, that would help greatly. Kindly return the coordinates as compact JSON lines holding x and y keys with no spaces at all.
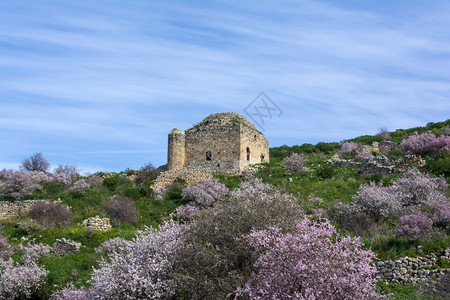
{"x":100,"y":84}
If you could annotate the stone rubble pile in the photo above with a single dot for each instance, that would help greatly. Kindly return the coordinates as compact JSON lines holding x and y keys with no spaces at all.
{"x":378,"y":164}
{"x":97,"y":223}
{"x":63,"y":247}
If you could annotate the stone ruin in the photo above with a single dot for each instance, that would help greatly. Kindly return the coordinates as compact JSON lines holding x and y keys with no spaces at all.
{"x":16,"y":208}
{"x":96,"y":223}
{"x":223,"y":143}
{"x":379,"y":164}
{"x":412,"y":270}
{"x":63,"y":247}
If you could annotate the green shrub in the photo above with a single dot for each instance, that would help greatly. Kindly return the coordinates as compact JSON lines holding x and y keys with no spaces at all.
{"x":374,"y":178}
{"x":439,"y":166}
{"x":367,"y":139}
{"x":231,"y":182}
{"x":53,"y":187}
{"x":394,"y":154}
{"x":174,"y":193}
{"x":325,"y":172}
{"x":327,"y":147}
{"x":29,"y":227}
{"x":117,"y":184}
{"x":133,"y":192}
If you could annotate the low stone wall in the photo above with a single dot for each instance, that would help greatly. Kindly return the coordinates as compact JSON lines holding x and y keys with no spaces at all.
{"x":411,"y":160}
{"x":63,"y":247}
{"x":387,"y":146}
{"x":377,"y":165}
{"x":230,"y":167}
{"x":15,"y":209}
{"x":411,"y":270}
{"x":373,"y":165}
{"x":191,"y":176}
{"x":96,"y":223}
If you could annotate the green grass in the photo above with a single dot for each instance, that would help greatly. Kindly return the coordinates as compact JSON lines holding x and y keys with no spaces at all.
{"x":319,"y":180}
{"x":398,"y":291}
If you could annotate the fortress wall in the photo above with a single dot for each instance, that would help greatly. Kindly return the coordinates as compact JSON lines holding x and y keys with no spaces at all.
{"x":258,"y":145}
{"x":230,"y":167}
{"x":191,"y":176}
{"x":223,"y":143}
{"x":176,"y":150}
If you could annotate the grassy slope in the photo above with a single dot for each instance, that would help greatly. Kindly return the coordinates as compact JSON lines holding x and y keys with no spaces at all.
{"x":321,"y":181}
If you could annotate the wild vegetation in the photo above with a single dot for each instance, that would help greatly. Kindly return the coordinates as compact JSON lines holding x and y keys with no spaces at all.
{"x":298,"y":227}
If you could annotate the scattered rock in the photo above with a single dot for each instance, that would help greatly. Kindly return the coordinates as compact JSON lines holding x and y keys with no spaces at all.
{"x":97,"y":223}
{"x":63,"y":247}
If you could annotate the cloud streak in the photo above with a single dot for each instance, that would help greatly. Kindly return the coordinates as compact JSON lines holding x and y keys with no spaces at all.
{"x":112,"y":79}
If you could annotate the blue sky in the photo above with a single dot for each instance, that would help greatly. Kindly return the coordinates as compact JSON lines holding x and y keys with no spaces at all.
{"x":100,"y":84}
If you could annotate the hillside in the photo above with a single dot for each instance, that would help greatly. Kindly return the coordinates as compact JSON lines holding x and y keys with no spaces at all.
{"x":389,"y":191}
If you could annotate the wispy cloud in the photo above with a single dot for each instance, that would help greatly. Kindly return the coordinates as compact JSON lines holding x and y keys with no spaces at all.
{"x":102,"y":83}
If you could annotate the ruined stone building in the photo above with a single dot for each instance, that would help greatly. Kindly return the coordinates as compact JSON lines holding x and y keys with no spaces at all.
{"x":225,"y":143}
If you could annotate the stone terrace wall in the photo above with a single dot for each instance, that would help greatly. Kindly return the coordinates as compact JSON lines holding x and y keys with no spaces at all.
{"x":191,"y":176}
{"x":411,"y":270}
{"x":15,"y":209}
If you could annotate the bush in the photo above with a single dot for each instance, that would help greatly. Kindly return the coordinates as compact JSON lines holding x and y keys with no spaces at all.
{"x":376,"y":201}
{"x":5,"y":248}
{"x":121,"y":209}
{"x":349,"y":148}
{"x":384,"y":133}
{"x":117,"y":184}
{"x":29,"y":227}
{"x":294,"y":163}
{"x":70,"y":170}
{"x":439,"y":166}
{"x":18,"y":184}
{"x":418,"y":189}
{"x":22,"y":280}
{"x":327,"y":147}
{"x":216,"y":258}
{"x":206,"y":193}
{"x":440,"y":212}
{"x":51,"y":214}
{"x":36,"y":162}
{"x":412,"y":191}
{"x":53,"y":187}
{"x":146,"y":174}
{"x":425,"y":143}
{"x":325,"y":172}
{"x":80,"y":186}
{"x":139,"y":269}
{"x":415,"y":226}
{"x":69,"y":293}
{"x":187,"y":211}
{"x":367,"y":139}
{"x":313,"y":263}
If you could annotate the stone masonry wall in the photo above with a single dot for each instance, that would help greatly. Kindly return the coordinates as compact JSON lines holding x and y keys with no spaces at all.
{"x":63,"y":247}
{"x":222,"y":143}
{"x":191,"y":176}
{"x":176,"y":151}
{"x":96,"y":223}
{"x":411,"y":270}
{"x":257,"y":144}
{"x":15,"y":209}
